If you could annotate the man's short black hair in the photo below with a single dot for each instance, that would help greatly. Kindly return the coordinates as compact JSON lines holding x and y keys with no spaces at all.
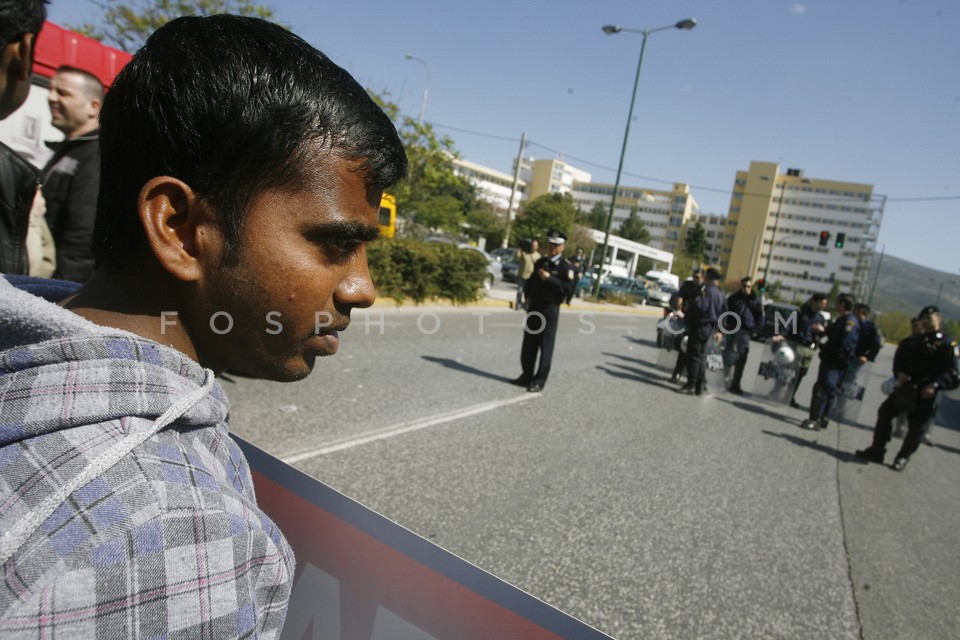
{"x":231,"y":106}
{"x":819,"y":297}
{"x":846,"y":300}
{"x":713,"y":274}
{"x":861,"y":307}
{"x":18,"y":17}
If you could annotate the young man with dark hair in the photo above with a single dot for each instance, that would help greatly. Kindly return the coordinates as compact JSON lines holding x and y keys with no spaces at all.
{"x":20,"y":23}
{"x":242,"y":176}
{"x":71,"y":177}
{"x":839,"y":350}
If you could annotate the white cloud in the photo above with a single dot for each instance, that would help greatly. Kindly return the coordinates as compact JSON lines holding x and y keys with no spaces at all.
{"x":799,"y":9}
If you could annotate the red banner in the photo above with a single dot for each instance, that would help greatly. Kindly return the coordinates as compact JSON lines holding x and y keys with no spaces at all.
{"x":363,"y":577}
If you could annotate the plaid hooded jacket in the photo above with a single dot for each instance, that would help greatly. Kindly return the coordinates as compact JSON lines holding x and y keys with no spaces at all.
{"x":126,"y":511}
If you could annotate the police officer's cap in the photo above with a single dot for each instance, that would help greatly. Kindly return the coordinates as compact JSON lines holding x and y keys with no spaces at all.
{"x":556,"y":237}
{"x":928,"y":310}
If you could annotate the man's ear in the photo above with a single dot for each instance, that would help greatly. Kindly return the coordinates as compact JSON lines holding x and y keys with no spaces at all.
{"x":24,"y":56}
{"x":180,"y":228}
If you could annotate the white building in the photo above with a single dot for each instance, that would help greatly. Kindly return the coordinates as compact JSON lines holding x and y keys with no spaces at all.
{"x":492,"y":186}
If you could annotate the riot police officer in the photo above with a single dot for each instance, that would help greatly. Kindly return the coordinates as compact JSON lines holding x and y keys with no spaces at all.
{"x":923,"y":365}
{"x":838,"y":352}
{"x":551,"y":283}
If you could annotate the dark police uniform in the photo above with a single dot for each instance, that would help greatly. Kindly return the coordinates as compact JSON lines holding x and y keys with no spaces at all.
{"x":929,"y":359}
{"x":839,"y":350}
{"x":543,"y":313}
{"x":703,"y":313}
{"x":806,"y":342}
{"x":689,"y":290}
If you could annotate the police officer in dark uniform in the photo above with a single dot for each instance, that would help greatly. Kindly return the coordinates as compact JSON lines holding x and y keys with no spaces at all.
{"x":689,"y":290}
{"x":924,"y":365}
{"x":838,"y":352}
{"x":552,"y":282}
{"x":702,"y":315}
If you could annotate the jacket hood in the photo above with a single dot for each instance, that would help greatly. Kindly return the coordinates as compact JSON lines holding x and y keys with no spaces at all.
{"x":59,"y":371}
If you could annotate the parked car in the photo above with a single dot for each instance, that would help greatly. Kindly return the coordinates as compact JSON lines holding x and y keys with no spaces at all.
{"x":510,"y":270}
{"x":660,"y":296}
{"x":494,"y":268}
{"x":504,"y":254}
{"x":630,"y":288}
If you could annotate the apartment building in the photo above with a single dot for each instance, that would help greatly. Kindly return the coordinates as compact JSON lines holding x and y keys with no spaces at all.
{"x":806,"y":233}
{"x":664,"y":213}
{"x":550,"y":176}
{"x":715,"y":227}
{"x":494,"y":187}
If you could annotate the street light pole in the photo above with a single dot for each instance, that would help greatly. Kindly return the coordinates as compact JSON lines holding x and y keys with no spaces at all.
{"x":687,"y":24}
{"x":773,"y":236}
{"x":426,"y":86}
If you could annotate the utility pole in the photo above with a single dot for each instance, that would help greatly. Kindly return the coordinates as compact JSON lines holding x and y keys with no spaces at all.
{"x":513,"y":189}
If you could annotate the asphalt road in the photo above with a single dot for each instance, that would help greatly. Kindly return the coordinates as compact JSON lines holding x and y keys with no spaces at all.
{"x":645,"y":513}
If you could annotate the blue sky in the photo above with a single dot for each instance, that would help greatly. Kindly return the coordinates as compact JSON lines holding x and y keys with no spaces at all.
{"x":854,"y":90}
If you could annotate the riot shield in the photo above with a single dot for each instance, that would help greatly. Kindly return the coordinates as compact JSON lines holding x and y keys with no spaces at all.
{"x":714,"y":371}
{"x":777,"y":375}
{"x":846,"y":408}
{"x":670,"y":333}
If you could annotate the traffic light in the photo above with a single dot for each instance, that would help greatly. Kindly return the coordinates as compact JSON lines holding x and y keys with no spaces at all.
{"x":841,"y":237}
{"x":761,"y":285}
{"x":824,"y":238}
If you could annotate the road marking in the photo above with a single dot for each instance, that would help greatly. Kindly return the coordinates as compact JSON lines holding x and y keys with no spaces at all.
{"x":404,"y":428}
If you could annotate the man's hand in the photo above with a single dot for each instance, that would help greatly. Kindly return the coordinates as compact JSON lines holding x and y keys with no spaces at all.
{"x":928,"y":392}
{"x":544,"y":274}
{"x":862,"y":359}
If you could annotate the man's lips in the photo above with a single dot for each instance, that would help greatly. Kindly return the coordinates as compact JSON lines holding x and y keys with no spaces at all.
{"x":326,"y":342}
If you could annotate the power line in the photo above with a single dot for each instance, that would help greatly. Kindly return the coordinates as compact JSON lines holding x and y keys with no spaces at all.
{"x":597,"y":165}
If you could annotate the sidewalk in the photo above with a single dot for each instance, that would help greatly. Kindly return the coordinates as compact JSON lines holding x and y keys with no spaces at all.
{"x":503,"y":295}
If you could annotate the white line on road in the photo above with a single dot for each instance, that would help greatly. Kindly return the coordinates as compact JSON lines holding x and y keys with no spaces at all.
{"x":404,"y":428}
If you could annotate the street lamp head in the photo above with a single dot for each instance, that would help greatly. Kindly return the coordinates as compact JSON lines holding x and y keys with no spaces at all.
{"x":409,"y":56}
{"x":611,"y":29}
{"x":687,"y":24}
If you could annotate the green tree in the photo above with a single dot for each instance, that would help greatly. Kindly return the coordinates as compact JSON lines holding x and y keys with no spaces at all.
{"x":430,"y":176}
{"x":695,"y":242}
{"x":596,"y":218}
{"x":550,"y":211}
{"x":634,"y":229}
{"x":895,"y":326}
{"x":127,"y":25}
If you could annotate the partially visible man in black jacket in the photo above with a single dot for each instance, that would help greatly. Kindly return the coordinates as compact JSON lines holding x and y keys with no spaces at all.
{"x":72,"y":175}
{"x":20,"y":23}
{"x":702,"y":317}
{"x":748,"y":307}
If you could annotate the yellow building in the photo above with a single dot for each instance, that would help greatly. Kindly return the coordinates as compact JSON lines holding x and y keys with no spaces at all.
{"x":805,"y":233}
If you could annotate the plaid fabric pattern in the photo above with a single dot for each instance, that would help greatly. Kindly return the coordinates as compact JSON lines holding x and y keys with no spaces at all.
{"x":169,"y":542}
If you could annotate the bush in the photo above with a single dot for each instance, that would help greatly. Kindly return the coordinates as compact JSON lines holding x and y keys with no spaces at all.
{"x":404,"y":268}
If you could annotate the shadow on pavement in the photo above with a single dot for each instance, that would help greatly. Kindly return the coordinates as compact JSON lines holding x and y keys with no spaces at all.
{"x":630,"y":373}
{"x":640,"y":361}
{"x":843,"y":456}
{"x":465,"y":368}
{"x":644,"y":342}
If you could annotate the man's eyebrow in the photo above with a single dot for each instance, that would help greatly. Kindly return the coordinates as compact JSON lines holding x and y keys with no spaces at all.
{"x":343,"y":231}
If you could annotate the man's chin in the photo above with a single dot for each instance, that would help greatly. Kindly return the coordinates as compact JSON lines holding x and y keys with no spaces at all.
{"x":274,"y":372}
